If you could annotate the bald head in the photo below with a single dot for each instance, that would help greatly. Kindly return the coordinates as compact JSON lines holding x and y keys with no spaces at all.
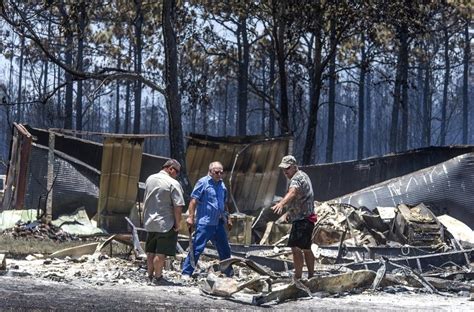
{"x":216,"y":170}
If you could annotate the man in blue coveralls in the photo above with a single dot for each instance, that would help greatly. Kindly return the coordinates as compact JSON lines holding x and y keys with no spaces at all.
{"x":210,"y":217}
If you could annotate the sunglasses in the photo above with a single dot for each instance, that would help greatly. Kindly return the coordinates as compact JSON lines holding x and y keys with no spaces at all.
{"x":176,"y":170}
{"x":217,"y":171}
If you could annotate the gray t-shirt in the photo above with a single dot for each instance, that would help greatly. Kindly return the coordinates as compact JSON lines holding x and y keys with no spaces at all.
{"x":162,"y":194}
{"x":303,"y":204}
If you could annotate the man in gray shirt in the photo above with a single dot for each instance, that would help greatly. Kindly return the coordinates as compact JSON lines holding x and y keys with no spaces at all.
{"x":163,"y":205}
{"x":299,"y":204}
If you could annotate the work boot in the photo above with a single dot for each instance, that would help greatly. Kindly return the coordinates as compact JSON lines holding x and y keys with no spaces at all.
{"x":160,"y":281}
{"x":149,"y":280}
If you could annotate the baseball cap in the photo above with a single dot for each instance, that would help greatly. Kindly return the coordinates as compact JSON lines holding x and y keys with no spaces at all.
{"x":287,"y":161}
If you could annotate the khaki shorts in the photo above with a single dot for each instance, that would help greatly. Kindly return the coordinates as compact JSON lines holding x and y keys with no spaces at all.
{"x":162,"y":243}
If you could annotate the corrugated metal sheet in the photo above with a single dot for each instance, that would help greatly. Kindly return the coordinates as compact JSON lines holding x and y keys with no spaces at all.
{"x":447,"y":188}
{"x":75,"y":185}
{"x":151,"y":164}
{"x":86,"y":151}
{"x":254,"y":161}
{"x":337,"y":179}
{"x":121,"y":163}
{"x":90,"y":152}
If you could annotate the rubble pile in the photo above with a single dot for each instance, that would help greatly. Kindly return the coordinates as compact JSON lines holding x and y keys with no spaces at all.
{"x":357,"y":251}
{"x":338,"y":222}
{"x":39,"y":230}
{"x":417,"y":226}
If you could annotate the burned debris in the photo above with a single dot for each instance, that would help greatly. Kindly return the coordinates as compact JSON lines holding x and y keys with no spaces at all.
{"x":404,"y":234}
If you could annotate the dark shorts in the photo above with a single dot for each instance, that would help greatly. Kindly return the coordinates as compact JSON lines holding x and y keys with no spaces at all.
{"x":162,"y":243}
{"x":301,"y":233}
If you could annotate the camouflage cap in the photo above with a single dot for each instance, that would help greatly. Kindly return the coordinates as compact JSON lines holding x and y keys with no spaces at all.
{"x":287,"y":161}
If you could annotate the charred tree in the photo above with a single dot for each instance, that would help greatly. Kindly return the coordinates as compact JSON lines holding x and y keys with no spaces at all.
{"x":68,"y":60}
{"x":80,"y":63}
{"x":332,"y":95}
{"x":315,"y":92}
{"x":138,"y":25}
{"x":400,"y":81}
{"x":361,"y":99}
{"x":444,"y":102}
{"x":19,"y":112}
{"x":272,"y":90}
{"x":117,"y":95}
{"x":172,"y":95}
{"x":279,"y":29}
{"x":243,"y":48}
{"x":465,"y":87}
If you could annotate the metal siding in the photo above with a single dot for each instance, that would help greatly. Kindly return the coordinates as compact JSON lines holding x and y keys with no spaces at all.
{"x":75,"y":184}
{"x":256,"y":171}
{"x":337,"y":179}
{"x":121,"y":164}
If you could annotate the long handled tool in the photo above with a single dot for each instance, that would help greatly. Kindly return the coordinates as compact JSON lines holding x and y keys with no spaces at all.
{"x":191,"y":248}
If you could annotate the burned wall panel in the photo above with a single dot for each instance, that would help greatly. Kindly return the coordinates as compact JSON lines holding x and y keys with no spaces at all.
{"x":151,"y":164}
{"x":337,"y":179}
{"x":119,"y":181}
{"x":86,"y":151}
{"x":446,"y":188}
{"x":255,"y":159}
{"x":75,"y":184}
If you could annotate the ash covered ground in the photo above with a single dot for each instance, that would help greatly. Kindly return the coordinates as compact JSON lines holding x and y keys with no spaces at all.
{"x":120,"y":285}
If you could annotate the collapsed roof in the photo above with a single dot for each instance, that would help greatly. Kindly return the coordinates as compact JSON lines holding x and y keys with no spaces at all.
{"x":337,"y":179}
{"x":446,"y":188}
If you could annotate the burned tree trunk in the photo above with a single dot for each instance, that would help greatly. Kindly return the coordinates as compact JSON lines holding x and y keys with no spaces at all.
{"x":361,"y":121}
{"x":80,"y":64}
{"x":332,"y":96}
{"x":279,"y":28}
{"x":242,"y":88}
{"x":465,"y":87}
{"x":402,"y":66}
{"x":316,"y":85}
{"x":138,"y":65}
{"x":173,"y":98}
{"x":426,"y":135}
{"x":444,"y":103}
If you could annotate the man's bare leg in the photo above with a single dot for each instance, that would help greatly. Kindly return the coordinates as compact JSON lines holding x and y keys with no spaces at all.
{"x":158,"y":264}
{"x":309,"y":258}
{"x":149,"y":264}
{"x":297,"y":261}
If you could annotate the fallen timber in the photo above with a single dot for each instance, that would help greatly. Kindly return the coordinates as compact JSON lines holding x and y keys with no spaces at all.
{"x":224,"y":264}
{"x":332,"y":283}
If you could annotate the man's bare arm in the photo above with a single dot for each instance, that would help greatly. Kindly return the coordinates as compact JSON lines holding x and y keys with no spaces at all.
{"x":191,"y":212}
{"x":178,"y":210}
{"x":278,"y":208}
